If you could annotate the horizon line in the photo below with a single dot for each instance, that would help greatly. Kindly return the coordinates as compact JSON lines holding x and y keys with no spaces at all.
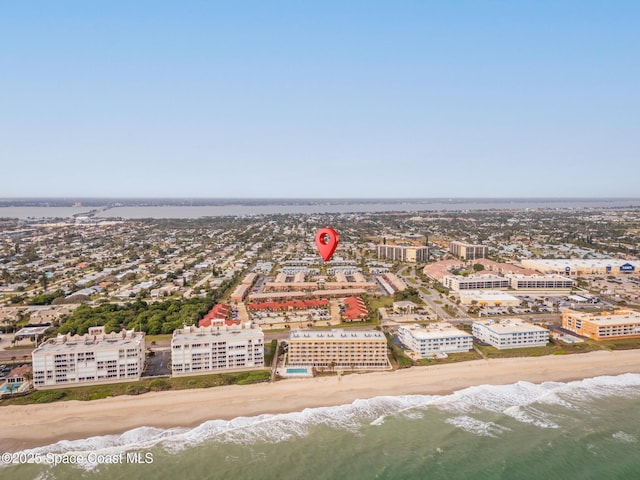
{"x":99,"y":197}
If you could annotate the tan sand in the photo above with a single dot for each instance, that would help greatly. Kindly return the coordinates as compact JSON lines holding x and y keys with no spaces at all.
{"x":26,"y":426}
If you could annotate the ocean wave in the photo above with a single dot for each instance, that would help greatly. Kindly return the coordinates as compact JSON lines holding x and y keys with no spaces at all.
{"x":522,"y":401}
{"x":477,"y":427}
{"x":625,"y":437}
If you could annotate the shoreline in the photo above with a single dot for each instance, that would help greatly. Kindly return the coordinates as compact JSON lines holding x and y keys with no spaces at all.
{"x":36,"y":425}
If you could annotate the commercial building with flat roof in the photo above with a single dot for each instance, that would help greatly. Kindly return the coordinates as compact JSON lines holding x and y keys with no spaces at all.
{"x":435,"y":338}
{"x":584,"y":267}
{"x":510,"y":333}
{"x":201,"y":350}
{"x":475,"y":282}
{"x":403,"y":253}
{"x":363,"y":349}
{"x":603,"y":325}
{"x":541,"y":282}
{"x":491,"y":298}
{"x":96,"y":357}
{"x":468,"y":251}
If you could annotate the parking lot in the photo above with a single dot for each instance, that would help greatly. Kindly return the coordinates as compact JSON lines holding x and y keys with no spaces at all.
{"x":158,"y":363}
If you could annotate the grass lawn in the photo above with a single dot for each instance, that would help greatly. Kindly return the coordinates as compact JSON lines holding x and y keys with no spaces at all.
{"x":452,"y":358}
{"x":552,"y":348}
{"x":374,"y":303}
{"x":399,"y":359}
{"x":270,"y":352}
{"x":157,"y":338}
{"x":94,"y":392}
{"x":622,"y":344}
{"x":424,"y":290}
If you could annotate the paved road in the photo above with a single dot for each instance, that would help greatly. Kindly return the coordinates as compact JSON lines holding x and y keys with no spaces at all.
{"x":430,"y":299}
{"x":189,"y":291}
{"x":274,"y":363}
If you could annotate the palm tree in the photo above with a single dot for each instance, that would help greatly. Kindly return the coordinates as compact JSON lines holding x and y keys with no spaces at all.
{"x":28,"y":376}
{"x":12,"y":388}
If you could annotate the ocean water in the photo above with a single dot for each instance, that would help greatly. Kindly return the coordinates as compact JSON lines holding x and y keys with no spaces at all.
{"x":588,"y":429}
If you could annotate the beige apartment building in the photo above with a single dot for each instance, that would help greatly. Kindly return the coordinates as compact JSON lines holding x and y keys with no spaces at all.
{"x":603,"y":325}
{"x":403,"y":253}
{"x":468,"y":251}
{"x":96,"y":357}
{"x":338,"y":348}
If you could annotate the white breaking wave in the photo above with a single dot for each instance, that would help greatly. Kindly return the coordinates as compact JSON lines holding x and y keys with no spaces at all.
{"x":531,"y":415}
{"x":477,"y":427}
{"x":517,"y":401}
{"x":625,"y":437}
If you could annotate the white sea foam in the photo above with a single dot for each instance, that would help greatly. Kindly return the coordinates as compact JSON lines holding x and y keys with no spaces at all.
{"x":477,"y":427}
{"x":521,"y":401}
{"x":532,"y":416}
{"x":378,"y":421}
{"x":625,"y":437}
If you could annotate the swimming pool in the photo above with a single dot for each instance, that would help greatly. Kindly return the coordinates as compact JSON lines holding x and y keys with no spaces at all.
{"x":14,"y":389}
{"x":297,"y":370}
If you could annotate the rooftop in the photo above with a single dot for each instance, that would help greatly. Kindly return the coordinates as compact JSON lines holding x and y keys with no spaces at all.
{"x":578,"y":262}
{"x":435,"y":330}
{"x":192,"y":333}
{"x":336,"y":334}
{"x":607,"y":318}
{"x":108,"y":341}
{"x":510,"y":325}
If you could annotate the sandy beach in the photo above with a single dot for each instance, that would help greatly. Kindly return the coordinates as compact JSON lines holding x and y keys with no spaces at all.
{"x":36,"y":425}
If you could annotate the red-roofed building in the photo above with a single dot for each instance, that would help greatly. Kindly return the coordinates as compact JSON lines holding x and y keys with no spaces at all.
{"x":17,"y":374}
{"x":355,"y":309}
{"x":218,"y":315}
{"x":289,"y":305}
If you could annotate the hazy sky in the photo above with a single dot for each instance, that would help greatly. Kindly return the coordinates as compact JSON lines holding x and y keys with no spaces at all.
{"x":320,"y":99}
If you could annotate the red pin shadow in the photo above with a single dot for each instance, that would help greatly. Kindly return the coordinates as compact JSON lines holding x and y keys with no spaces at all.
{"x":327,"y":242}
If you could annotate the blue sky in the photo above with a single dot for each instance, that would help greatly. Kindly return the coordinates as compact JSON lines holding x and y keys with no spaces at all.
{"x":320,"y":99}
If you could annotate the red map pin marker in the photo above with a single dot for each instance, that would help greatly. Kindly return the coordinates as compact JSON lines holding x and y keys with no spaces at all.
{"x":327,"y":242}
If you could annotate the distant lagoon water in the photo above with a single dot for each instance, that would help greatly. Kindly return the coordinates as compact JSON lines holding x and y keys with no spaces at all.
{"x":267,"y":207}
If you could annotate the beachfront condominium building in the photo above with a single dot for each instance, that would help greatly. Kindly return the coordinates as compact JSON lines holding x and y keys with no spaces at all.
{"x":510,"y":333}
{"x":216,"y":348}
{"x":96,"y":357}
{"x":435,"y":338}
{"x":338,"y":348}
{"x":403,"y":253}
{"x":603,"y":325}
{"x":468,"y":251}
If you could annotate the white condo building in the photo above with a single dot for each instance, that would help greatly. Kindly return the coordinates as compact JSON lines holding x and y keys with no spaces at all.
{"x":510,"y":333}
{"x":435,"y":338}
{"x":541,"y":282}
{"x":200,"y":350}
{"x":96,"y":357}
{"x":475,"y":282}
